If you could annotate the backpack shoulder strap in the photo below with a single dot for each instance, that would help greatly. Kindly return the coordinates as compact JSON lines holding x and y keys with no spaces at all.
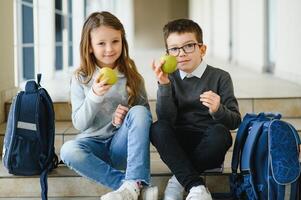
{"x":51,"y":160}
{"x":240,"y":140}
{"x":242,"y":134}
{"x":248,"y":150}
{"x":250,"y":144}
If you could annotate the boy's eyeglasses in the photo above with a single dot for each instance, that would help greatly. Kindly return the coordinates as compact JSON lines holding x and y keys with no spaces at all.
{"x":187,"y":48}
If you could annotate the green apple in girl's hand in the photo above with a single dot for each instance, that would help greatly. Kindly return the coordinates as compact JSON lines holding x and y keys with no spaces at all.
{"x":170,"y":64}
{"x":109,"y":74}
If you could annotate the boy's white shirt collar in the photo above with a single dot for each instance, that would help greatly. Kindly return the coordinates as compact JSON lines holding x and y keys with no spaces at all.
{"x":198,"y":72}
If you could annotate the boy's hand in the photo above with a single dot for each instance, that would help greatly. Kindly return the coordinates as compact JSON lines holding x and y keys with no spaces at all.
{"x":119,"y":114}
{"x":211,"y":100}
{"x":100,"y":87}
{"x":161,"y":76}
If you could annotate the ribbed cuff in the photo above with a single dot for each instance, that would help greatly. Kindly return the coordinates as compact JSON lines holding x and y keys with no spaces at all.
{"x":164,"y":90}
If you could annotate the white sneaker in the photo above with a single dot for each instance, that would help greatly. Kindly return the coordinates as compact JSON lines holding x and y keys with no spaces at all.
{"x":129,"y":190}
{"x":199,"y":193}
{"x":174,"y":190}
{"x":149,"y":193}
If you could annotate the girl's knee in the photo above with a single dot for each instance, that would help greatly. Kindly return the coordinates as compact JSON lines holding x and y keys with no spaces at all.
{"x":140,"y":110}
{"x":140,"y":114}
{"x":70,"y":152}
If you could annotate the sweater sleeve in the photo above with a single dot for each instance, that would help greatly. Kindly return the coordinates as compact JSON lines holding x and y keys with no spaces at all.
{"x":166,"y":108}
{"x":84,"y":107}
{"x":228,"y":112}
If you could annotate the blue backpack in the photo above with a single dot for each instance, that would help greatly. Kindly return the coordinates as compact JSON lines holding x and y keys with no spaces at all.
{"x":29,"y":138}
{"x":267,"y":151}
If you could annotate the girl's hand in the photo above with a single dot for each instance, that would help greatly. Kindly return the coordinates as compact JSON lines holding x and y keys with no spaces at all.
{"x":211,"y":100}
{"x":100,"y":87}
{"x":161,"y":76}
{"x":119,"y":114}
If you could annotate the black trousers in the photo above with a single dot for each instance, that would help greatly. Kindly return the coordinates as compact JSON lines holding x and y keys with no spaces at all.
{"x":188,"y":152}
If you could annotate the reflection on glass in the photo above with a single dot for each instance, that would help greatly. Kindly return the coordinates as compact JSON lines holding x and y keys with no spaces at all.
{"x":28,"y":63}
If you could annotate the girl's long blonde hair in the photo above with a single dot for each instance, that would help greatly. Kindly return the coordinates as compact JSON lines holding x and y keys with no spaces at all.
{"x":135,"y":83}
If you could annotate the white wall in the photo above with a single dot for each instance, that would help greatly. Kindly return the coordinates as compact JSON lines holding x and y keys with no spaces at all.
{"x":201,"y":11}
{"x":248,"y":34}
{"x":7,"y":77}
{"x":220,"y":34}
{"x":288,"y":53}
{"x":213,"y":17}
{"x":124,"y":10}
{"x":45,"y":39}
{"x":78,"y":21}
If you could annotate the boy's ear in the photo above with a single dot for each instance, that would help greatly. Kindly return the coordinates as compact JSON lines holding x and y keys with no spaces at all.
{"x":203,"y":49}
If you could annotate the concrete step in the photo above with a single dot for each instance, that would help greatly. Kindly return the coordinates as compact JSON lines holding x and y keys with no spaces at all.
{"x":63,"y":182}
{"x":289,"y":107}
{"x":52,"y":198}
{"x":65,"y":131}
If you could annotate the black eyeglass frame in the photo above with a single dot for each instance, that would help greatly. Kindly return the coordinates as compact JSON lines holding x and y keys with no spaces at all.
{"x":182,"y":47}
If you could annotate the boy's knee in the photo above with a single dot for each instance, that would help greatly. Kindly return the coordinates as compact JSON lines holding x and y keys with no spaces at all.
{"x":160,"y":129}
{"x":221,"y":134}
{"x":219,"y":137}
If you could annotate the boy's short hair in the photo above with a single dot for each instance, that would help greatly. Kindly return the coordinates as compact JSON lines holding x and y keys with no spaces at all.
{"x":183,"y":26}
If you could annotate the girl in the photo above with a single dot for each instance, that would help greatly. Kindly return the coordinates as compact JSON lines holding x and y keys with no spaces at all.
{"x":114,"y":120}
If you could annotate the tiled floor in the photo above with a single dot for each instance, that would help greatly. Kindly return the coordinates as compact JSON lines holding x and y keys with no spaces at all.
{"x":247,"y":83}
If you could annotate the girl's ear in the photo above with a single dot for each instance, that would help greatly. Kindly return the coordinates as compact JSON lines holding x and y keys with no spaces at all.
{"x":90,"y":50}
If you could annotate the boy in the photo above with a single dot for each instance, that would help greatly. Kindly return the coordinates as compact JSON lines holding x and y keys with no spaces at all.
{"x":196,"y":108}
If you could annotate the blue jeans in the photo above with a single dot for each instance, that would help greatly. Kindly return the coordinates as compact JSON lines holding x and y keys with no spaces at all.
{"x":124,"y":156}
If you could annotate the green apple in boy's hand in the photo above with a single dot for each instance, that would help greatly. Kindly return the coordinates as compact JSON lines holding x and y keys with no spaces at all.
{"x":109,"y":74}
{"x":170,"y":64}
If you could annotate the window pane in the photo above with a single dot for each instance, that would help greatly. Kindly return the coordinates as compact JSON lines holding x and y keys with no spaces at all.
{"x":58,"y":28}
{"x":29,"y":1}
{"x":27,"y":24}
{"x":70,"y":56}
{"x":70,"y":35}
{"x":70,"y":6}
{"x":58,"y":4}
{"x":58,"y":57}
{"x":28,"y":63}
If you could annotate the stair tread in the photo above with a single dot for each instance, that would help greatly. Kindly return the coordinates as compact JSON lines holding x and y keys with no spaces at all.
{"x":158,"y":168}
{"x":66,"y":127}
{"x":52,"y":198}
